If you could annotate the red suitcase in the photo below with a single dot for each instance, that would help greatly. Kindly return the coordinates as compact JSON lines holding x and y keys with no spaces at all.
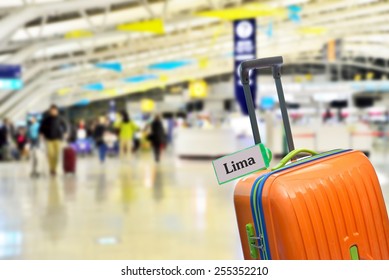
{"x":69,"y":160}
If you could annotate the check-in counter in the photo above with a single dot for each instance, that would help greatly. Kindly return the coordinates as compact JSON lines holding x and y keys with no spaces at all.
{"x":361,"y":137}
{"x":204,"y":143}
{"x":303,"y":137}
{"x":326,"y":137}
{"x":356,"y":136}
{"x":332,"y":136}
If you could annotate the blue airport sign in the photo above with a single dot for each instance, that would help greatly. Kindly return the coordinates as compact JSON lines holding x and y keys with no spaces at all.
{"x":9,"y":71}
{"x":244,"y":49}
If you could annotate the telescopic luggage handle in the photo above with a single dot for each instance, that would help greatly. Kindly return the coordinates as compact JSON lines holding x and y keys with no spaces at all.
{"x":268,"y":62}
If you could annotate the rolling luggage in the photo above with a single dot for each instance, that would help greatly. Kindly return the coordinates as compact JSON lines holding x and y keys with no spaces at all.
{"x":325,"y":206}
{"x":69,"y":160}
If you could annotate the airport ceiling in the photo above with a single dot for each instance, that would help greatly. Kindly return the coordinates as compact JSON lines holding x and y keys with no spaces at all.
{"x":59,"y":43}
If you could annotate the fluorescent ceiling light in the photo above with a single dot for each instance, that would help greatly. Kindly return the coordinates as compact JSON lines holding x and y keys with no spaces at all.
{"x":95,"y":87}
{"x":15,"y":3}
{"x":141,"y":78}
{"x":82,"y":102}
{"x":169,"y":65}
{"x":113,"y":66}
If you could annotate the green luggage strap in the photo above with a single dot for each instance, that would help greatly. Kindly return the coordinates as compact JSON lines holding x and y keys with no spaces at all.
{"x":292,"y":155}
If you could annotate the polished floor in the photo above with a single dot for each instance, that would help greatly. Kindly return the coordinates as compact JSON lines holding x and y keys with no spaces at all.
{"x":131,"y":209}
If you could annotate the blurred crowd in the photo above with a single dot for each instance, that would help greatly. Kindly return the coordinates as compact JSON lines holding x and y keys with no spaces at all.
{"x":51,"y":133}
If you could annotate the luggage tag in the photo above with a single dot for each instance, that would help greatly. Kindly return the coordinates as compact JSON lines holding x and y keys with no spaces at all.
{"x":242,"y":163}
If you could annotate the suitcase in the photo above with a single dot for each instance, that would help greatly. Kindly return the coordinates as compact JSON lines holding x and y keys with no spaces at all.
{"x":324,"y":206}
{"x":69,"y":160}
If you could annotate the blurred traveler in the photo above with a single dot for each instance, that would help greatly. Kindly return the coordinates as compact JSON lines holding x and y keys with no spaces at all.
{"x":6,"y":136}
{"x":8,"y":150}
{"x":111,"y":141}
{"x":10,"y":132}
{"x":3,"y":143}
{"x":36,"y":155}
{"x":72,"y":132}
{"x":170,"y":130}
{"x":127,"y":128}
{"x":157,"y":137}
{"x":21,"y":142}
{"x":83,"y":144}
{"x":327,"y":115}
{"x":339,"y":115}
{"x":90,"y":130}
{"x":53,"y":129}
{"x":100,"y":134}
{"x":81,"y":130}
{"x":136,"y":144}
{"x":33,"y":133}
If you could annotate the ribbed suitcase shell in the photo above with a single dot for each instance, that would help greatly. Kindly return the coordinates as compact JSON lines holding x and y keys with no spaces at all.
{"x":320,"y":209}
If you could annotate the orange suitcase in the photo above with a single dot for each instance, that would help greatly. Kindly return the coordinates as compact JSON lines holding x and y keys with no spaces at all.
{"x":326,"y":206}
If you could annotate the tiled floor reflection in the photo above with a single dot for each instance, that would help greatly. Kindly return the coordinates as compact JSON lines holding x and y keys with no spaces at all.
{"x":122,"y":210}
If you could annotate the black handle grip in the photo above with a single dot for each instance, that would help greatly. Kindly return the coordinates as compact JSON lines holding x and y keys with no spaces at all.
{"x":266,"y":62}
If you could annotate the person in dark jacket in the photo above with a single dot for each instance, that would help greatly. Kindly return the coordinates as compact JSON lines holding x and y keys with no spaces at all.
{"x":6,"y":139}
{"x":53,"y":129}
{"x":100,"y":131}
{"x":4,"y":142}
{"x":157,"y":137}
{"x":3,"y":137}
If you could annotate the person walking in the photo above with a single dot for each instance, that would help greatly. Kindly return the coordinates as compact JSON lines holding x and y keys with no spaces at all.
{"x":100,"y":132}
{"x":11,"y":141}
{"x":157,"y":137}
{"x":6,"y":139}
{"x":33,"y":133}
{"x":3,"y":143}
{"x":327,"y":116}
{"x":21,"y":143}
{"x":53,"y":130}
{"x":126,"y":128}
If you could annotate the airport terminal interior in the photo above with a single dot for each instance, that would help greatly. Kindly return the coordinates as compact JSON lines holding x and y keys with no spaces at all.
{"x":112,"y":112}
